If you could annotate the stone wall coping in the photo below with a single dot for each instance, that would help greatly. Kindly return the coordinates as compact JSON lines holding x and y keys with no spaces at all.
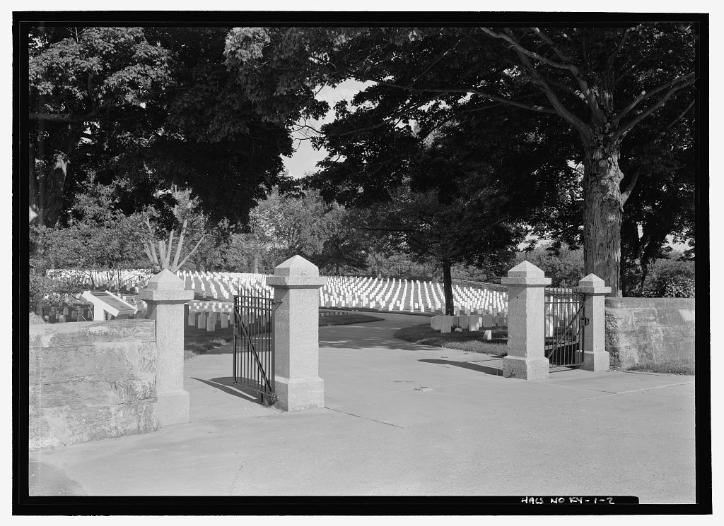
{"x":55,"y":335}
{"x":296,"y":282}
{"x":630,"y":303}
{"x":528,"y":282}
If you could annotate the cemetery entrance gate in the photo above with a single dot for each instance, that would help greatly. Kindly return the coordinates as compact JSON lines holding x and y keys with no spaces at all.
{"x":565,"y":323}
{"x":254,"y":344}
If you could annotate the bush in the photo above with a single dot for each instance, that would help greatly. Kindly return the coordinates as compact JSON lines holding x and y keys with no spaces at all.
{"x":563,"y":266}
{"x":669,"y":278}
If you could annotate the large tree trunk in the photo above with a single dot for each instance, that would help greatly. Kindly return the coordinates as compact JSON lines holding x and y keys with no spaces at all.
{"x":603,"y":214}
{"x":447,"y":288}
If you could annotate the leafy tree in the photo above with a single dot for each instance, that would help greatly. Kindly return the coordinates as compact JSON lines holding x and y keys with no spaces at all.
{"x":99,"y":237}
{"x":282,"y":226}
{"x":563,"y":265}
{"x":153,"y":107}
{"x":598,"y":84}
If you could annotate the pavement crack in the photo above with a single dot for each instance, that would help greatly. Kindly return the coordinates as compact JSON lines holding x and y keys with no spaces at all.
{"x":363,"y":417}
{"x":235,"y":480}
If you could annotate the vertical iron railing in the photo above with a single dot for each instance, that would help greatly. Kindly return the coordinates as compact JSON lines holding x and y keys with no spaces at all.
{"x":564,"y":326}
{"x":253,"y":360}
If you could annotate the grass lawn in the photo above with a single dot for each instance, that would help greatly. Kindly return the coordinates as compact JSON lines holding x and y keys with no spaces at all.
{"x":199,"y":341}
{"x":466,"y":341}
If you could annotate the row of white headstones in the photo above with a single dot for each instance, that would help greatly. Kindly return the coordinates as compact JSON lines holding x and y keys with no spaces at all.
{"x":388,"y":294}
{"x":385,"y":294}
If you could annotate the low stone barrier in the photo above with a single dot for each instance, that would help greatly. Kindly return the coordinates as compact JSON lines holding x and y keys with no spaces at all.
{"x":642,"y":332}
{"x":91,"y":380}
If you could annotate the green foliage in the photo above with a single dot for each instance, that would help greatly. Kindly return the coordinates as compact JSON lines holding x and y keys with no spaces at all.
{"x":563,"y":265}
{"x":549,"y":95}
{"x":152,"y":107}
{"x":669,"y":278}
{"x":286,"y":225}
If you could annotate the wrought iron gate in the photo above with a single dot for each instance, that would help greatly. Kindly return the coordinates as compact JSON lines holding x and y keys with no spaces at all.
{"x":565,"y":323}
{"x":254,"y":344}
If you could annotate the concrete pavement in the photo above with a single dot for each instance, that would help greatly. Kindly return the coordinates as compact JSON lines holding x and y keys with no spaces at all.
{"x":402,"y":419}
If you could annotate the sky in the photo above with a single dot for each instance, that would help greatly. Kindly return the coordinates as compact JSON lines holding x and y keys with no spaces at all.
{"x":305,"y":158}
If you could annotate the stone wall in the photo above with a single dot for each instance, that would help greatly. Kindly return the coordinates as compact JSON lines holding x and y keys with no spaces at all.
{"x":645,"y":332}
{"x":91,"y":380}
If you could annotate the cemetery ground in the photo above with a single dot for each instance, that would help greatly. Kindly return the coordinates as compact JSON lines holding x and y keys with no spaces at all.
{"x":403,"y":418}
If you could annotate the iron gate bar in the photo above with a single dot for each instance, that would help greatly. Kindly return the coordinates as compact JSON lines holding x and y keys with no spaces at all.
{"x":253,"y":356}
{"x":565,"y":310}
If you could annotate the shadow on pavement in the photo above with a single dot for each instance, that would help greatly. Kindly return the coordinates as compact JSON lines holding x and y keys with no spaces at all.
{"x":47,"y":480}
{"x":466,"y":365}
{"x":227,"y":385}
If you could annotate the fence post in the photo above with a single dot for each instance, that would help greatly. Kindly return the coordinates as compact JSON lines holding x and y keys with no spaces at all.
{"x":526,"y":339}
{"x":595,"y":357}
{"x":165,"y":296}
{"x":296,"y":284}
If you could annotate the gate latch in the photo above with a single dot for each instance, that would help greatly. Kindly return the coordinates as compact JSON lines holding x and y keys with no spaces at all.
{"x":584,"y":320}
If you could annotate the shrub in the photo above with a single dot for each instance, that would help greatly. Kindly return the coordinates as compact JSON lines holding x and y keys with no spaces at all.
{"x":669,"y":278}
{"x":564,"y":266}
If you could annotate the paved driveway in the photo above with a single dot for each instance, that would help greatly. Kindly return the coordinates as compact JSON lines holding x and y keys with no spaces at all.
{"x":402,"y":419}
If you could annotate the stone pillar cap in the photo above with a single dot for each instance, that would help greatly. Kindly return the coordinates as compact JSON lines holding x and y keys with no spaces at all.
{"x":296,"y":272}
{"x":592,"y":284}
{"x":296,"y":266}
{"x":166,"y":286}
{"x":525,"y":273}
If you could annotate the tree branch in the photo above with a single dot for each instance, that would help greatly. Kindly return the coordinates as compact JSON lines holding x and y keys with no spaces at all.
{"x":61,"y":117}
{"x":548,"y":41}
{"x":532,"y":54}
{"x":612,"y":57}
{"x":641,"y":116}
{"x":686,"y":79}
{"x":582,"y":84}
{"x":169,"y":248}
{"x":174,"y":265}
{"x":557,"y":105}
{"x":192,"y":251}
{"x":531,"y":107}
{"x":435,"y":62}
{"x":629,"y":187}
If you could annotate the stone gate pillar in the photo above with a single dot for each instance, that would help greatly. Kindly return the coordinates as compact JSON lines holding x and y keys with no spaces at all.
{"x":296,"y":284}
{"x":166,"y":296}
{"x":595,"y":357}
{"x":526,"y":339}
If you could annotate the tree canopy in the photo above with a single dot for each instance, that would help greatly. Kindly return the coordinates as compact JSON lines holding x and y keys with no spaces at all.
{"x":595,"y":86}
{"x":153,"y":106}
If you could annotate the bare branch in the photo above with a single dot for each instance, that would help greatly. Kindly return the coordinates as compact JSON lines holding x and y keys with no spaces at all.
{"x":435,"y":62}
{"x":548,"y":41}
{"x":151,"y":254}
{"x":62,"y":117}
{"x":686,"y":79}
{"x":560,"y":109}
{"x":192,"y":251}
{"x":162,"y":253}
{"x":180,"y":243}
{"x":168,"y":249}
{"x":582,"y":84}
{"x":532,"y":54}
{"x":612,"y":56}
{"x":641,"y":116}
{"x":531,"y":107}
{"x":679,"y":117}
{"x":629,"y":187}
